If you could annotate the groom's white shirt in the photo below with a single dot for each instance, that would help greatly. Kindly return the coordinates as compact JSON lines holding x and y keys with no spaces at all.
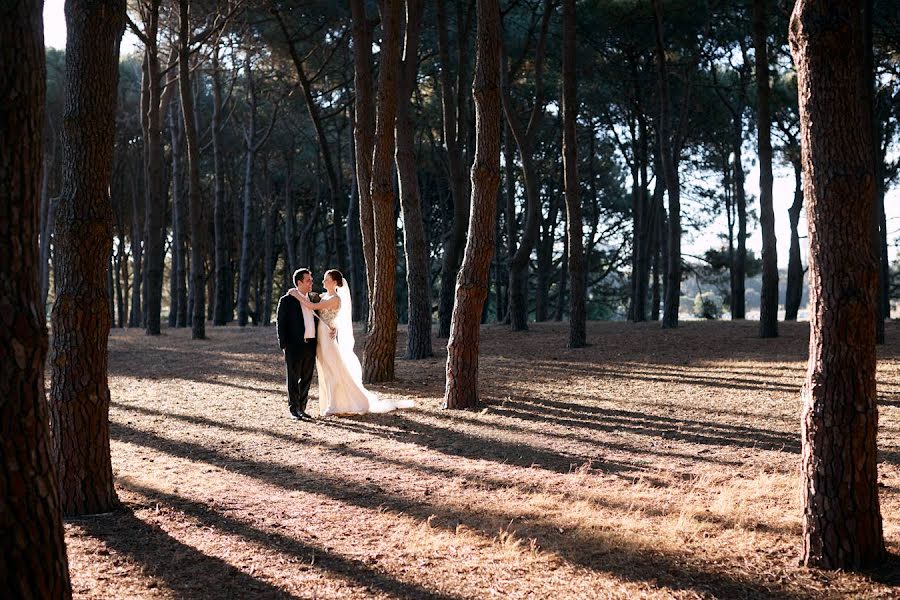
{"x":309,"y":324}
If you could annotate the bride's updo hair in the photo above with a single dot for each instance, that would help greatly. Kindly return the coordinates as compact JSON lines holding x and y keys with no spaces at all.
{"x":336,"y":276}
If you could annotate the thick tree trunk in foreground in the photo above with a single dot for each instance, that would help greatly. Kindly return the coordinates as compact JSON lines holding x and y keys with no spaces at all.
{"x":415,"y":245}
{"x":32,"y":555}
{"x":473,"y":281}
{"x":382,"y":341}
{"x":768,"y":301}
{"x":841,"y":516}
{"x":574,"y":240}
{"x":79,"y":391}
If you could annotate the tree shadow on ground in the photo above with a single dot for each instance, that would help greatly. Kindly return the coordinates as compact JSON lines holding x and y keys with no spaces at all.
{"x":186,"y":571}
{"x":353,"y":571}
{"x":590,"y":549}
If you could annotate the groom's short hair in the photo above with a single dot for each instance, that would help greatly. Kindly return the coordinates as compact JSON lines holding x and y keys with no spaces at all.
{"x":299,"y":273}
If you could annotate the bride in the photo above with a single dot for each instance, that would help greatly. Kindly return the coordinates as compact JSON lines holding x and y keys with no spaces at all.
{"x":341,"y":391}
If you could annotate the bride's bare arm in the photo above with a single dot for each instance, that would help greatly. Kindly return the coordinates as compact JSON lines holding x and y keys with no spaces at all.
{"x":330,"y":303}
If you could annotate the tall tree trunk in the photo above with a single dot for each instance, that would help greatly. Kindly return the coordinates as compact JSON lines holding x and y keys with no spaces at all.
{"x":739,"y":265}
{"x":574,"y":233}
{"x":382,"y":341}
{"x":473,"y":280}
{"x":79,"y":391}
{"x":525,"y":138}
{"x":354,"y":241}
{"x":768,"y":300}
{"x":647,"y":213}
{"x":223,"y":292}
{"x":453,"y":111}
{"x":121,"y":259}
{"x":33,"y":552}
{"x":545,"y":262}
{"x":271,"y":257}
{"x":198,"y":227}
{"x":178,"y":307}
{"x":364,"y":138}
{"x":243,"y":299}
{"x":136,"y":318}
{"x":154,"y":180}
{"x":841,"y":516}
{"x":509,"y":180}
{"x":672,"y":300}
{"x":252,"y":146}
{"x":794,"y":293}
{"x":415,"y":245}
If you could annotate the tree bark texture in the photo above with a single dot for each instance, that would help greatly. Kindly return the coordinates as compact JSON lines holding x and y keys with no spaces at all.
{"x":841,"y":517}
{"x":574,"y":234}
{"x":415,"y":245}
{"x":33,"y":560}
{"x":79,"y":391}
{"x":473,"y":281}
{"x":768,"y":301}
{"x":382,"y":341}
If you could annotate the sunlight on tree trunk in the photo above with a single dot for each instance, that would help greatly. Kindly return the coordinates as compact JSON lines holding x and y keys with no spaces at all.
{"x":79,"y":391}
{"x":473,"y":280}
{"x":382,"y":341}
{"x":841,"y":516}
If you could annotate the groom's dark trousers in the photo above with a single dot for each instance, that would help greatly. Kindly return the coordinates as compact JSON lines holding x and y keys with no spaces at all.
{"x":299,"y":353}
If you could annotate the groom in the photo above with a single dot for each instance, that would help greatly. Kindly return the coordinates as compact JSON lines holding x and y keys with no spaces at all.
{"x":297,"y":338}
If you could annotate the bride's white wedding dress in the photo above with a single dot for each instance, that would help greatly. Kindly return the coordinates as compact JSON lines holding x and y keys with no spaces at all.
{"x":341,"y":391}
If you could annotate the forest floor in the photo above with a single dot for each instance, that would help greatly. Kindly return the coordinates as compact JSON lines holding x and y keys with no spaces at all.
{"x":653,"y":464}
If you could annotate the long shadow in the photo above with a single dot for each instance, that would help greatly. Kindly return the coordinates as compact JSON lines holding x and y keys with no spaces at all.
{"x":476,"y":447}
{"x":550,"y":371}
{"x":718,"y":434}
{"x":351,"y":570}
{"x":609,"y":420}
{"x":185,"y":570}
{"x":485,"y":481}
{"x":577,"y":547}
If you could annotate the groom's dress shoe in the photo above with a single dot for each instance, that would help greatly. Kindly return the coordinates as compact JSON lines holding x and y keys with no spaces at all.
{"x":294,"y":414}
{"x":305,"y":416}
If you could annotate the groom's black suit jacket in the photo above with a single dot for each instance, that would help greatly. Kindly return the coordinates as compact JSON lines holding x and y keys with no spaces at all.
{"x":291,"y":329}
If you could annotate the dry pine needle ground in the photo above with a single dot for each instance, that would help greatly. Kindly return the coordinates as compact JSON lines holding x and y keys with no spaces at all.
{"x":654,"y":464}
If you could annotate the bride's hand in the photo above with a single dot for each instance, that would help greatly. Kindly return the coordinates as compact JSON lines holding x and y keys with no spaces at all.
{"x":333,"y":332}
{"x":294,"y":292}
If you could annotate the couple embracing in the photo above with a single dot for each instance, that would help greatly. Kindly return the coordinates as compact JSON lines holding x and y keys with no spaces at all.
{"x":317,"y":330}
